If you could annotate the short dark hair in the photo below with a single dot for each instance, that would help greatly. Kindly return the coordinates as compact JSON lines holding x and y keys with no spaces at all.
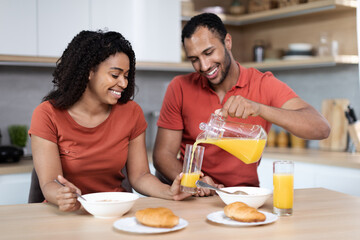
{"x":210,"y":21}
{"x":84,"y":54}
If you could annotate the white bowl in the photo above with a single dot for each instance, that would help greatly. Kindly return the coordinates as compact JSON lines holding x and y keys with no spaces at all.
{"x":300,"y":47}
{"x":108,"y":204}
{"x":256,"y":198}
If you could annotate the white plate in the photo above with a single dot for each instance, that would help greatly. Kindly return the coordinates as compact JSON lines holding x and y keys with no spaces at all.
{"x":220,"y":217}
{"x":131,"y":225}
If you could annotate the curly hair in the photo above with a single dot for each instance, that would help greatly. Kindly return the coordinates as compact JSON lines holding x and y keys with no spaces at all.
{"x":83,"y":54}
{"x":210,"y":21}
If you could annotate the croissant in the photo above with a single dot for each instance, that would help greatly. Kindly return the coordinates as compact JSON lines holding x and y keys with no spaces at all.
{"x":157,"y":217}
{"x":241,"y":212}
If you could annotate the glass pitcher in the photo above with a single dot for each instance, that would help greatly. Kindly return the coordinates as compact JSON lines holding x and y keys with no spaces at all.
{"x":244,"y":141}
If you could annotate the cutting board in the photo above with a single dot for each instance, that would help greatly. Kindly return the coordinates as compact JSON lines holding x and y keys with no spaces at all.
{"x":334,"y":111}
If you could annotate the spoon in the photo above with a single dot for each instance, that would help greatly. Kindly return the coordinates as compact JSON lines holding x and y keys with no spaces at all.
{"x":205,"y":185}
{"x":57,"y":181}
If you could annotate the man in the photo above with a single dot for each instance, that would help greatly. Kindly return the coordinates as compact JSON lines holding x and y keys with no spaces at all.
{"x":243,"y":95}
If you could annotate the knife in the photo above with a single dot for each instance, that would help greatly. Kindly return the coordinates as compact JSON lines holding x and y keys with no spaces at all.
{"x":352,"y":113}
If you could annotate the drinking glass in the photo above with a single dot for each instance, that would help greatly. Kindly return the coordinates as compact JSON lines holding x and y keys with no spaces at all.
{"x":191,"y":168}
{"x":283,"y":180}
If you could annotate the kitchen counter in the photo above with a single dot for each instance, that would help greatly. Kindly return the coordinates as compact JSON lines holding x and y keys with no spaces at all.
{"x":318,"y":214}
{"x":314,"y":156}
{"x":25,"y":165}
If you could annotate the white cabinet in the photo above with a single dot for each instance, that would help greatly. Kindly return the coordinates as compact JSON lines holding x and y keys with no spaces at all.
{"x":18,"y":27}
{"x":152,"y":27}
{"x":45,"y":27}
{"x":14,"y":188}
{"x":58,"y":23}
{"x":307,"y":175}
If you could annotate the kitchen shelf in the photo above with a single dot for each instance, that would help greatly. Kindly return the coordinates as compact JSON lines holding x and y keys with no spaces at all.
{"x":314,"y":62}
{"x":33,"y":61}
{"x":285,"y":12}
{"x":8,"y":60}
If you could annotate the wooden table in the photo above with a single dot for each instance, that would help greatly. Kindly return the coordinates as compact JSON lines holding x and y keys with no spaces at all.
{"x":318,"y":214}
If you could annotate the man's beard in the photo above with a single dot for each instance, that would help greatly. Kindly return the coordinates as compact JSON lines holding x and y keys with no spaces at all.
{"x":227,"y":64}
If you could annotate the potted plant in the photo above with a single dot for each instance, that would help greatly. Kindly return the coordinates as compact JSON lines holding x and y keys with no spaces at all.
{"x":18,"y":135}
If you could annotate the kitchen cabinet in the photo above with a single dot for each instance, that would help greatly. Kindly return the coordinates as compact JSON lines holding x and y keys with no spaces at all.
{"x":301,"y":23}
{"x":58,"y":23}
{"x":45,"y":27}
{"x":152,"y":27}
{"x":18,"y":27}
{"x":14,"y":188}
{"x":310,"y":175}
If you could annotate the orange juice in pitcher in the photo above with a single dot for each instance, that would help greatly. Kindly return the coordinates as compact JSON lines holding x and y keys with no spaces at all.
{"x":244,"y":141}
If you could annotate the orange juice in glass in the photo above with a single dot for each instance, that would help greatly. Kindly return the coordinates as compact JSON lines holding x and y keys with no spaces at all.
{"x":191,"y":167}
{"x":283,"y":180}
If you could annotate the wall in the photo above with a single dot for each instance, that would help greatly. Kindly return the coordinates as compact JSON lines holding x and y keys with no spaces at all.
{"x":22,"y":88}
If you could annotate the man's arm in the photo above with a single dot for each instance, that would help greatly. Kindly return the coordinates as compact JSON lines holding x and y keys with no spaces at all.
{"x":295,"y":116}
{"x":167,"y":146}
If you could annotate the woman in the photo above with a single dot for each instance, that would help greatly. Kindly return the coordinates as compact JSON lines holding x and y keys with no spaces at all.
{"x":88,"y":128}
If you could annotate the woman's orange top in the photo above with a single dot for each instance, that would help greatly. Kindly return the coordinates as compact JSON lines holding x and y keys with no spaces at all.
{"x":91,"y":158}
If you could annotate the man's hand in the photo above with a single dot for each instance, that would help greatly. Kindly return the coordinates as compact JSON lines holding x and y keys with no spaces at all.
{"x":240,"y":107}
{"x":204,"y":192}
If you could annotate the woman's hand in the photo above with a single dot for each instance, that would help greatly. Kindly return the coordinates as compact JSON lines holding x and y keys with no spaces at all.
{"x":175,"y":191}
{"x":66,"y":196}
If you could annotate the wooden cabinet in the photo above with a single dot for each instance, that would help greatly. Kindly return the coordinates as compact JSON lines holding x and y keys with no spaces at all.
{"x":302,"y":23}
{"x":18,"y":27}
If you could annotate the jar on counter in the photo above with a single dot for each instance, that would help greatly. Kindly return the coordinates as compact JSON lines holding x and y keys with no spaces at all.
{"x":297,"y":142}
{"x":282,"y":139}
{"x":271,"y":138}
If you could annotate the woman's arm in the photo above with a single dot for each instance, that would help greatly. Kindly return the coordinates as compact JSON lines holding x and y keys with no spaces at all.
{"x":142,"y":180}
{"x":48,"y":167}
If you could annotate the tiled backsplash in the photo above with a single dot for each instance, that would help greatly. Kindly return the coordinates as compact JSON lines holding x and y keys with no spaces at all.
{"x":22,"y":88}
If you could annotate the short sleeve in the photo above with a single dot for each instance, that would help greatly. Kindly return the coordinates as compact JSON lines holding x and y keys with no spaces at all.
{"x":170,"y":113}
{"x":42,"y":123}
{"x":140,"y":123}
{"x":277,"y":91}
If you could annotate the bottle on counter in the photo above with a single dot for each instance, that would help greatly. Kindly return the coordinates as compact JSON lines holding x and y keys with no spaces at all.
{"x":324,"y":48}
{"x":259,"y":51}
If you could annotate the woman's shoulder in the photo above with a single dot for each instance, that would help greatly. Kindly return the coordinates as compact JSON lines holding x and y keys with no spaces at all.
{"x":46,"y":108}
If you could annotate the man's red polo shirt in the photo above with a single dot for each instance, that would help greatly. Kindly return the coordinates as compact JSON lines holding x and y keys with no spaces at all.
{"x":189,"y":100}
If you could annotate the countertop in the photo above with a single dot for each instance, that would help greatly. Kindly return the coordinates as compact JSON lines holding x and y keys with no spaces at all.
{"x":25,"y":165}
{"x":314,"y":156}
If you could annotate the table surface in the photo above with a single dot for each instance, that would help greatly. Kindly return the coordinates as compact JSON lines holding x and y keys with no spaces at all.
{"x":318,"y":214}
